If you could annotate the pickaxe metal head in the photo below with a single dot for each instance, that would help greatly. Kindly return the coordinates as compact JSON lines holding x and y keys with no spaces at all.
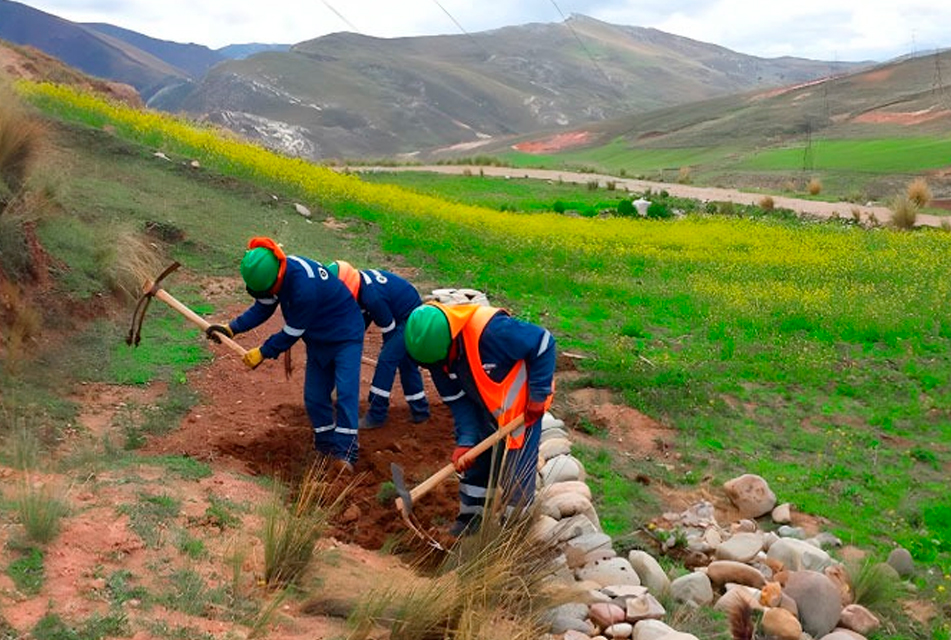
{"x":404,"y":504}
{"x":135,"y":331}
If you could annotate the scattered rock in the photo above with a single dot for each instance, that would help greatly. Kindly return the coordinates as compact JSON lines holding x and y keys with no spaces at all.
{"x":751,"y":495}
{"x":901,"y":561}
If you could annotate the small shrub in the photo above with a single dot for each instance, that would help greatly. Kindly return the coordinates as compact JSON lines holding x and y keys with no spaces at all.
{"x":919,"y":192}
{"x":593,"y":185}
{"x":610,"y":185}
{"x":558,"y":207}
{"x":467,"y":172}
{"x":874,"y":584}
{"x":625,"y":208}
{"x":856,"y":215}
{"x":659,"y":210}
{"x":815,"y":186}
{"x":904,"y":212}
{"x":767,"y":203}
{"x":946,"y":224}
{"x":622,"y":172}
{"x":20,"y":139}
{"x":684,"y":175}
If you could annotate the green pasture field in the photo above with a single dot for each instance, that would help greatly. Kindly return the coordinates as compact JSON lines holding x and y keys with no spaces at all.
{"x":886,"y":155}
{"x":815,"y":355}
{"x":513,"y":194}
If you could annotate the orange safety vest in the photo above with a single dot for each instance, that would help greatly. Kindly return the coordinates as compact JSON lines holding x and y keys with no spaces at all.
{"x":505,"y":400}
{"x":349,"y":276}
{"x":267,"y":243}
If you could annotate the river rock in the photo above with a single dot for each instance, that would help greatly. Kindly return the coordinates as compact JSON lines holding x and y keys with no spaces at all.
{"x":562,"y":469}
{"x":619,"y":630}
{"x":859,"y":619}
{"x":651,"y":630}
{"x":782,"y":514}
{"x":643,"y":608}
{"x":722,"y":571}
{"x":692,"y":588}
{"x":554,"y":447}
{"x":604,"y":615}
{"x":751,"y":495}
{"x":817,"y":599}
{"x":797,"y":554}
{"x":742,"y":547}
{"x":902,"y":562}
{"x":650,"y":572}
{"x":781,"y":624}
{"x":610,"y":572}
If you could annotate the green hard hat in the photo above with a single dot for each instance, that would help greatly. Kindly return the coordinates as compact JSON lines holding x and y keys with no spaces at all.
{"x":427,"y":335}
{"x":259,"y":268}
{"x":334,"y":269}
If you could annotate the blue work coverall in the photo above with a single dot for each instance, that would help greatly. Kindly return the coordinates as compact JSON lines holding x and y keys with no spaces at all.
{"x":319,"y":309}
{"x":387,"y":300}
{"x":504,"y":342}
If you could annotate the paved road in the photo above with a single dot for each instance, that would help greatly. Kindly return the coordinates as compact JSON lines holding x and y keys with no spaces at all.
{"x":808,"y":207}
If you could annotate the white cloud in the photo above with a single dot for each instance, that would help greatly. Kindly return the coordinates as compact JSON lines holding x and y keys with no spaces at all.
{"x":820,"y":29}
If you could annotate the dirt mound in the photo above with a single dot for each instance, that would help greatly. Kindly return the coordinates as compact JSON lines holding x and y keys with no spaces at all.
{"x":254,"y":422}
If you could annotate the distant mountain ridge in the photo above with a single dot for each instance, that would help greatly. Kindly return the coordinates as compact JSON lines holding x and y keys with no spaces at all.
{"x":349,"y":95}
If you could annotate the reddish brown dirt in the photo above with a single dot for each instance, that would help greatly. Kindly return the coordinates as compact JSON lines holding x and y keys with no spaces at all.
{"x":254,"y":422}
{"x":904,"y":118}
{"x":555,"y":143}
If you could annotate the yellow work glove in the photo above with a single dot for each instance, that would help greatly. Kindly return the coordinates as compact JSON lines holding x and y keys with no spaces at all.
{"x":214,"y":329}
{"x":253,"y":358}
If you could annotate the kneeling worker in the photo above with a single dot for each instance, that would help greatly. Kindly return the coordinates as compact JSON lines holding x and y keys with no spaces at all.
{"x":489,"y":368}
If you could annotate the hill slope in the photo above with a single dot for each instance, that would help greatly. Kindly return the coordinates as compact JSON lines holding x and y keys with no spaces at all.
{"x":349,"y":95}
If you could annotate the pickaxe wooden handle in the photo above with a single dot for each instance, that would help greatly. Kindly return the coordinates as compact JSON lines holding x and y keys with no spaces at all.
{"x":404,"y":503}
{"x":203,"y":324}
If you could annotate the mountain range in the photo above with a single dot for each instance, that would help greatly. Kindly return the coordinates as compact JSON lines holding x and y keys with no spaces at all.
{"x":349,"y":95}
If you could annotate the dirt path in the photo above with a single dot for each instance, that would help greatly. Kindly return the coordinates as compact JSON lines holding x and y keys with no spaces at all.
{"x":705,"y":194}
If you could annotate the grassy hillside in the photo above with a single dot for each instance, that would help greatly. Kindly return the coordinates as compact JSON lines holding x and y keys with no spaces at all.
{"x":856,"y":132}
{"x":818,"y":356}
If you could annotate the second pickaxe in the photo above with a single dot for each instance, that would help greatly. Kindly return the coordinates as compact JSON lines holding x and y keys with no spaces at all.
{"x":406,"y":498}
{"x":154,"y":290}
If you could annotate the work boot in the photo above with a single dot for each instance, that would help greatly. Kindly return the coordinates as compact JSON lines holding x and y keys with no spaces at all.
{"x":365,"y":424}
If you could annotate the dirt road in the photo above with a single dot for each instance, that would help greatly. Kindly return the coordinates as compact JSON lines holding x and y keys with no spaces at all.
{"x":807,"y":207}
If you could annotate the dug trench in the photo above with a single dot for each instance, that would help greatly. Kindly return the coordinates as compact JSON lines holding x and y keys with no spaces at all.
{"x":254,"y":422}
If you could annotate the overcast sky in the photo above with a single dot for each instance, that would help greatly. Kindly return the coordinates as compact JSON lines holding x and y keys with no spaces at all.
{"x":819,"y":29}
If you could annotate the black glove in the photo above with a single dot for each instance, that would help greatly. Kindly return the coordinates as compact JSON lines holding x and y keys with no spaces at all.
{"x":214,"y":329}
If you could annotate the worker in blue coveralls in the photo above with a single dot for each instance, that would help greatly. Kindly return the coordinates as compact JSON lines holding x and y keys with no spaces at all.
{"x":318,"y":308}
{"x":489,"y":368}
{"x":386,"y":300}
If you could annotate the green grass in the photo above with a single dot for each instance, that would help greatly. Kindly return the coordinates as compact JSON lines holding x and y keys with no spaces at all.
{"x":96,"y":627}
{"x":27,"y":571}
{"x":39,"y":511}
{"x":151,"y":516}
{"x":882,"y":155}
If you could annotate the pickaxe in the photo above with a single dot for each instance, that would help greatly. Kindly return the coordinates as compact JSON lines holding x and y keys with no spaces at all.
{"x":154,"y":290}
{"x":406,"y":498}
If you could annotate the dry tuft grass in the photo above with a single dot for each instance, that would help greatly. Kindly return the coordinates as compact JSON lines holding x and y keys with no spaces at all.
{"x":21,"y":138}
{"x":919,"y":192}
{"x":290,"y":532}
{"x":130,"y":261}
{"x":904,"y":212}
{"x":495,"y":584}
{"x":767,"y":203}
{"x":39,"y":511}
{"x":815,"y":186}
{"x":684,"y":175}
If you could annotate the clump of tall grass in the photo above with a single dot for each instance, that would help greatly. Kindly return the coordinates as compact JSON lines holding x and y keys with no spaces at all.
{"x":291,"y":531}
{"x":21,"y":137}
{"x":766,"y":203}
{"x":494,"y":584}
{"x":919,"y":192}
{"x":874,"y":584}
{"x":684,"y":175}
{"x":904,"y":212}
{"x":815,"y":186}
{"x":128,"y":262}
{"x":40,"y":512}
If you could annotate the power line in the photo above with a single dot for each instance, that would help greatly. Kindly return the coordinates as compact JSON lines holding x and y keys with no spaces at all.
{"x":585,"y":49}
{"x":341,"y":16}
{"x":462,"y":29}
